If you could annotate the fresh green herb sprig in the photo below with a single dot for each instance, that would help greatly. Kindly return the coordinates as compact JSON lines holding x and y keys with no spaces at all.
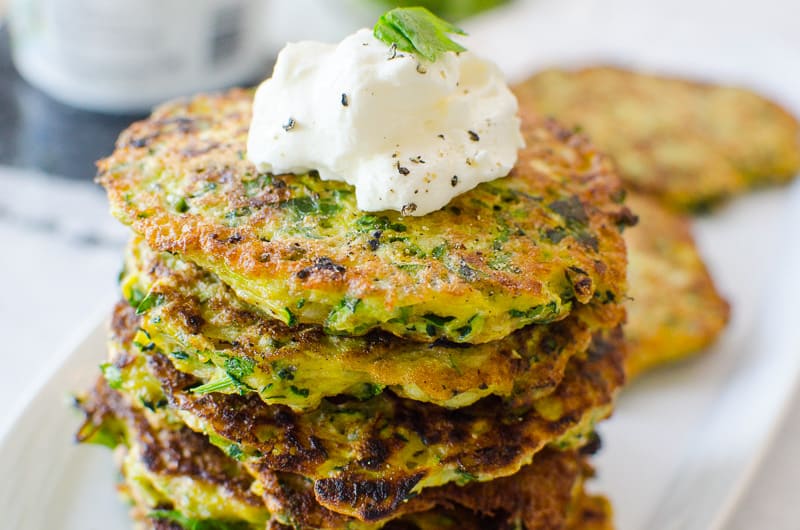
{"x":448,"y":9}
{"x":417,"y":30}
{"x":220,"y":385}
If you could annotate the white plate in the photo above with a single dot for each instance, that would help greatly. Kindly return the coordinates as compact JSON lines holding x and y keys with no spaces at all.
{"x":49,"y":482}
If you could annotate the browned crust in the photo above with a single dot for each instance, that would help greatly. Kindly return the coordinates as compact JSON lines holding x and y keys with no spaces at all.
{"x":545,"y":495}
{"x":373,"y":484}
{"x":203,"y":141}
{"x":540,"y":495}
{"x":173,"y":452}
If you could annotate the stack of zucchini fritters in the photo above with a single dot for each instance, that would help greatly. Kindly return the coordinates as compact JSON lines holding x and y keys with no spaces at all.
{"x":284,"y":360}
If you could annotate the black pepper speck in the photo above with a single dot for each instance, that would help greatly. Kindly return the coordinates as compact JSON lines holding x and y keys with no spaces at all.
{"x":408,"y":209}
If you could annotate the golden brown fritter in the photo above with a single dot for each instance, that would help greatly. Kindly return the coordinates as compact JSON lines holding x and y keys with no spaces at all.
{"x":519,"y":250}
{"x":675,"y":309}
{"x":547,"y":494}
{"x":166,"y":466}
{"x":195,"y":318}
{"x":367,"y":458}
{"x":169,"y":472}
{"x":592,"y":512}
{"x":689,"y":143}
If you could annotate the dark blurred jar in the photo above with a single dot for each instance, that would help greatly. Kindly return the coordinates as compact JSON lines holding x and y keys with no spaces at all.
{"x":128,"y":55}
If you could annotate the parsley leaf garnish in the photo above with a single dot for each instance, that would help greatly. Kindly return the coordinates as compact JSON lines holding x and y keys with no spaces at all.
{"x":220,"y":385}
{"x":417,"y":30}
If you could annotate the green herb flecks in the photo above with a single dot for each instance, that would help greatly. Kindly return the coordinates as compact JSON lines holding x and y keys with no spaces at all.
{"x":467,"y":273}
{"x":187,"y":523}
{"x":410,"y":267}
{"x":306,"y":205}
{"x":466,"y":331}
{"x":464,"y":477}
{"x":571,"y":210}
{"x":302,"y":392}
{"x":226,"y":383}
{"x":286,"y":373}
{"x":439,"y":251}
{"x":144,"y":346}
{"x":503,"y":261}
{"x":369,"y":390}
{"x":369,"y":223}
{"x":437,"y":320}
{"x":347,"y":306}
{"x":257,"y":184}
{"x":555,"y":235}
{"x":110,"y":433}
{"x":289,"y":318}
{"x":179,"y":204}
{"x":540,"y":314}
{"x":239,"y":367}
{"x":236,"y":368}
{"x":148,"y":302}
{"x":416,"y":30}
{"x":112,"y":375}
{"x":235,"y":452}
{"x":233,"y":217}
{"x":153,"y":405}
{"x":135,"y":297}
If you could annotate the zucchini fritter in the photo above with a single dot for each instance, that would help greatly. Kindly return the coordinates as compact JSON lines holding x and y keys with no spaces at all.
{"x":591,"y":512}
{"x":168,"y":467}
{"x":367,"y":458}
{"x":190,"y":314}
{"x":689,"y":143}
{"x":175,"y":478}
{"x":675,"y":309}
{"x":519,"y":250}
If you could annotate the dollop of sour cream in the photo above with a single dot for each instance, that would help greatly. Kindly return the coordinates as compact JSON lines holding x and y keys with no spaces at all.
{"x":407,"y":133}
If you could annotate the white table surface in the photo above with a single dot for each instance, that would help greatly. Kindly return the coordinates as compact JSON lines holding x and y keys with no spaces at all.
{"x":61,"y":250}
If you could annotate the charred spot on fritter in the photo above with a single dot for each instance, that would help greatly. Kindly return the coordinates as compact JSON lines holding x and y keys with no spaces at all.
{"x":323,"y":266}
{"x":376,"y":498}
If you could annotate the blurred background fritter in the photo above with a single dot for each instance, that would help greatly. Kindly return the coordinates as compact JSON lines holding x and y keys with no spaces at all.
{"x":675,"y":310}
{"x":691,"y":144}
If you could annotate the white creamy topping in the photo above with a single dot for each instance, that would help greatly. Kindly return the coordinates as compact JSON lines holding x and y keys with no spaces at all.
{"x":407,"y":133}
